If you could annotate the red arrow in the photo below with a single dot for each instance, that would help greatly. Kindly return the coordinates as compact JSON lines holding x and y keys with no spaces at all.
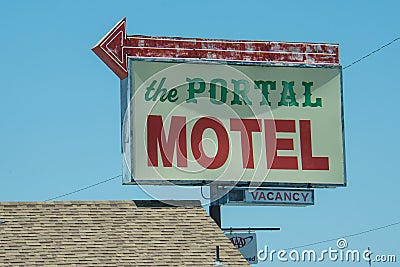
{"x":110,"y":49}
{"x":116,"y":47}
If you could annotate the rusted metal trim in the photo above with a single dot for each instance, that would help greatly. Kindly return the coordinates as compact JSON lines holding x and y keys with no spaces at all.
{"x":116,"y":47}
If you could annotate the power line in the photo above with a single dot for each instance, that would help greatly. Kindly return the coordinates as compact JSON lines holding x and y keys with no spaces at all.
{"x":350,"y":235}
{"x":371,"y":53}
{"x":84,"y":188}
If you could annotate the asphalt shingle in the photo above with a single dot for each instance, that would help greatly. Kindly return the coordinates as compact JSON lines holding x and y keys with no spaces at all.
{"x":110,"y":233}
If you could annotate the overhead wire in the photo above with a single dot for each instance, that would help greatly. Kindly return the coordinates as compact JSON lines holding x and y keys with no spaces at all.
{"x":346,"y":236}
{"x":371,"y":53}
{"x":84,"y":188}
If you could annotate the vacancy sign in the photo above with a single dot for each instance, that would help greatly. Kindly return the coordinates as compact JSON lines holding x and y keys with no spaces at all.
{"x":279,"y":197}
{"x":193,"y":122}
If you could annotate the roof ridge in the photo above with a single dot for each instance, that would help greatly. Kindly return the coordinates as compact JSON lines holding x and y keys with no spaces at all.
{"x":167,"y":203}
{"x":65,"y":202}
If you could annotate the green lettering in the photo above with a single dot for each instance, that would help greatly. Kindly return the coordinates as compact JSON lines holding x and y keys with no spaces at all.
{"x":263,"y":86}
{"x":307,"y":96}
{"x":213,"y":91}
{"x":193,"y":91}
{"x":159,"y":91}
{"x":149,"y":89}
{"x":173,"y":95}
{"x":288,"y":95}
{"x":237,"y":85}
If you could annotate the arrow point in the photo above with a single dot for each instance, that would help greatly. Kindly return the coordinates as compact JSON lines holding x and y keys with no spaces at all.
{"x":110,"y":49}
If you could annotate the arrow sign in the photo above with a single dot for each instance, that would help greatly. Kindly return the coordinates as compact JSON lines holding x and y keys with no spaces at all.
{"x":115,"y":47}
{"x":110,"y":49}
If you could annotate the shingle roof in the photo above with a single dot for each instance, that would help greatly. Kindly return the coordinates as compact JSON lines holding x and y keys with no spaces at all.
{"x":110,"y":233}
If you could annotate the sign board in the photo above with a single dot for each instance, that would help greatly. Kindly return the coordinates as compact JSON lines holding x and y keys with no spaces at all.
{"x":266,"y":196}
{"x":246,"y":243}
{"x":194,"y":122}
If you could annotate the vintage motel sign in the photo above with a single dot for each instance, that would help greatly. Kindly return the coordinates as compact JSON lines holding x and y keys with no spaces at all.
{"x":205,"y":110}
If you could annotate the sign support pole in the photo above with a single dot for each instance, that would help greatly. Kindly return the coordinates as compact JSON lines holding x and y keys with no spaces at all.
{"x":215,"y":206}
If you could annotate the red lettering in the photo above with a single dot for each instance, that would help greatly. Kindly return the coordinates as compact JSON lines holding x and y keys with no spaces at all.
{"x":223,"y":143}
{"x":246,"y":128}
{"x":296,"y":196}
{"x":274,"y":144}
{"x":176,"y":138}
{"x":309,"y":162}
{"x":268,"y":195}
{"x":262,"y":196}
{"x":278,"y":196}
{"x":165,"y":145}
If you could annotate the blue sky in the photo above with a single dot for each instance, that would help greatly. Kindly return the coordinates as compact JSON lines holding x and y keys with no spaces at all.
{"x":60,"y":113}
